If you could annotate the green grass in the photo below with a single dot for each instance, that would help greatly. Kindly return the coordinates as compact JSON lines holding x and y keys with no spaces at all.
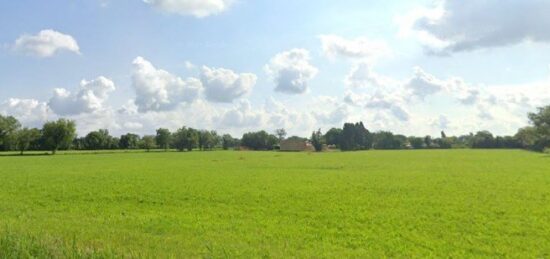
{"x":456,"y":203}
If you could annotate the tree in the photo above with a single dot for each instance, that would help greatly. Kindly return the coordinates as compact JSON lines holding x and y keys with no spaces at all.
{"x":483,"y":139}
{"x":444,"y":143}
{"x":386,"y":140}
{"x":541,"y":125}
{"x":25,"y":137}
{"x":260,"y":140}
{"x":97,"y":140}
{"x":416,"y":142}
{"x":443,"y":135}
{"x":185,"y":138}
{"x":541,"y":121}
{"x":148,"y":142}
{"x":163,"y":138}
{"x":355,"y":137}
{"x":317,"y":140}
{"x":59,"y":134}
{"x":8,"y":127}
{"x":281,"y":134}
{"x":334,"y":137}
{"x":428,"y":141}
{"x":129,"y":141}
{"x":207,"y":139}
{"x":529,"y":138}
{"x":229,"y":142}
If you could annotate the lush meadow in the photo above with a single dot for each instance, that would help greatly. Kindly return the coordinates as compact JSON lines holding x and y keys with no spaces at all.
{"x":458,"y":203}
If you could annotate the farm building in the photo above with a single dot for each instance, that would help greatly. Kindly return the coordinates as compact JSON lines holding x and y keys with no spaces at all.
{"x":296,"y":145}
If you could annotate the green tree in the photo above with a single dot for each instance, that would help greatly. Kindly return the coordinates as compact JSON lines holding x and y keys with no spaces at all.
{"x":25,"y":137}
{"x":428,"y":142}
{"x":356,"y":137}
{"x":529,"y":138}
{"x":185,"y":139}
{"x":281,"y":134}
{"x":148,"y":142}
{"x":229,"y":142}
{"x":483,"y":139}
{"x":416,"y":142}
{"x":386,"y":140}
{"x":207,"y":139}
{"x":541,"y":125}
{"x":334,"y":137}
{"x":129,"y":141}
{"x":163,"y":138}
{"x":541,"y":121}
{"x":260,"y":140}
{"x":317,"y":140}
{"x":58,"y":134}
{"x":97,"y":140}
{"x":8,"y":127}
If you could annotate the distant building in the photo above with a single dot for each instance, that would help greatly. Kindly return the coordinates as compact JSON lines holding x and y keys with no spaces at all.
{"x":296,"y":145}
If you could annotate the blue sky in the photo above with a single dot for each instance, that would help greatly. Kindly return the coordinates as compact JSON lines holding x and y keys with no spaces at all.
{"x":418,"y":67}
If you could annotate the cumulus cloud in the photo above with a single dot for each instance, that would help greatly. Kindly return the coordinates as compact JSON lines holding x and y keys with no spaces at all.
{"x":197,"y":8}
{"x":463,"y":92}
{"x":224,"y":85}
{"x":417,"y":88}
{"x":30,"y":112}
{"x":158,"y":90}
{"x":390,"y":103}
{"x":335,"y":115}
{"x":46,"y":43}
{"x":361,"y":75}
{"x":242,"y":116}
{"x":132,"y":125}
{"x":423,"y":84}
{"x":91,"y":97}
{"x":291,"y":71}
{"x":455,"y":26}
{"x":359,"y":48}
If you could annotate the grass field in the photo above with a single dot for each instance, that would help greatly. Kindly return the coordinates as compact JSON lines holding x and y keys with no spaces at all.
{"x":459,"y":203}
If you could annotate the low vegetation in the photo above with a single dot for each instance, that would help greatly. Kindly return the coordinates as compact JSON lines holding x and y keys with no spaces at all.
{"x":427,"y":203}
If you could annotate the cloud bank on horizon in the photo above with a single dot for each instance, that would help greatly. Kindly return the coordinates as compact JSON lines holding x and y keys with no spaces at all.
{"x":391,"y":78}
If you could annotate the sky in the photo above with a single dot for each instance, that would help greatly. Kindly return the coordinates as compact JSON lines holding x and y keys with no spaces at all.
{"x":413,"y":67}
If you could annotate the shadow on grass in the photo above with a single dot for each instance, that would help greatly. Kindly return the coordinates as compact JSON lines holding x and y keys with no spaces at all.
{"x":85,"y":152}
{"x":24,"y":155}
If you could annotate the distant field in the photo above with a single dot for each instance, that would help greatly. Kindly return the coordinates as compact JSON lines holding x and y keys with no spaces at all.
{"x":455,"y":203}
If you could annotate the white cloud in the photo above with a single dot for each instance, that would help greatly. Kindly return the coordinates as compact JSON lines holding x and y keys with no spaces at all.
{"x":197,"y":8}
{"x":224,"y":85}
{"x":359,"y":48}
{"x":455,"y":25}
{"x":91,"y":97}
{"x":132,"y":125}
{"x":362,"y":76}
{"x":242,"y":116}
{"x":391,"y":103}
{"x":291,"y":71}
{"x":46,"y":43}
{"x":300,"y":122}
{"x":158,"y":90}
{"x":336,"y":115}
{"x":463,"y":92}
{"x":29,"y":112}
{"x":423,"y":84}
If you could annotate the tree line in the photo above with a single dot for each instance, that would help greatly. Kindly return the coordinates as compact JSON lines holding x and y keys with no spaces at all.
{"x":61,"y":135}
